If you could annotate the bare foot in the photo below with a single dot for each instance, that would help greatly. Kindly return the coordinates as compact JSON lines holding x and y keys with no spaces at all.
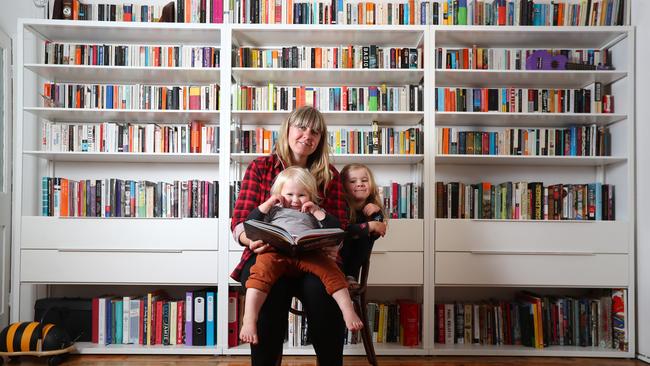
{"x":352,"y":320}
{"x":248,"y":333}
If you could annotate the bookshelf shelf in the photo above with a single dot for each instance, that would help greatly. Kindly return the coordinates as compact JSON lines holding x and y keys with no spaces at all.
{"x":349,"y":350}
{"x":349,"y":158}
{"x":506,"y":119}
{"x":327,"y":77}
{"x":126,"y":32}
{"x":529,"y":37}
{"x":509,"y":350}
{"x":89,"y":348}
{"x":125,"y":157}
{"x":125,"y":74}
{"x":333,"y":118}
{"x":528,"y":160}
{"x":525,"y":78}
{"x":326,"y":35}
{"x":126,"y":115}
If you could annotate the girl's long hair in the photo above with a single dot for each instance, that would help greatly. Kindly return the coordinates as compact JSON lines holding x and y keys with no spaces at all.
{"x":373,"y":197}
{"x":318,"y":163}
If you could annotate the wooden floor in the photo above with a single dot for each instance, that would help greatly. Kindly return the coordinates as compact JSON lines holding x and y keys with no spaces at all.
{"x":114,"y":360}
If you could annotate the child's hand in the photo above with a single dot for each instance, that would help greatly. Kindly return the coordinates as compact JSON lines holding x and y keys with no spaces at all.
{"x":272,"y":201}
{"x":313,"y":209}
{"x":370,"y":209}
{"x":377,"y":227}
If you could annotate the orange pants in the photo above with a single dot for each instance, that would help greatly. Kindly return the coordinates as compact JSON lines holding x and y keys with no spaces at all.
{"x":270,"y":266}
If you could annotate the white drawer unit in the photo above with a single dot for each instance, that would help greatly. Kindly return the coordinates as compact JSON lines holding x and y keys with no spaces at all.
{"x":402,"y":235}
{"x":114,"y":267}
{"x":528,"y":236}
{"x":396,"y":268}
{"x":512,"y":269}
{"x":119,"y":233}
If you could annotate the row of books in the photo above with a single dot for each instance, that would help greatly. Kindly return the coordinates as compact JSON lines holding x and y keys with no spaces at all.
{"x":379,"y":140}
{"x":521,"y":100}
{"x":112,"y":197}
{"x":525,"y":201}
{"x":258,"y":141}
{"x":193,"y":137}
{"x":443,"y":12}
{"x":531,"y":320}
{"x":343,"y":98}
{"x":403,"y":200}
{"x":529,"y":12}
{"x":137,"y":96}
{"x":392,"y":322}
{"x":589,"y":140}
{"x":186,"y":11}
{"x":341,"y":57}
{"x":480,"y":58}
{"x":156,"y":319}
{"x":130,"y":55}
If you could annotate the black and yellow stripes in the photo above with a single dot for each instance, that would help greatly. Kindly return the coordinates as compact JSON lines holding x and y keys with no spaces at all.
{"x":20,"y":337}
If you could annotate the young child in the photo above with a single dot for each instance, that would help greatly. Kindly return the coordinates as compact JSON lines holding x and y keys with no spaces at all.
{"x":366,"y":218}
{"x":292,"y":206}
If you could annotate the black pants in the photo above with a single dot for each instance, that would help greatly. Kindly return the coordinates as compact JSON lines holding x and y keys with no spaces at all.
{"x":355,"y":252}
{"x":326,"y":326}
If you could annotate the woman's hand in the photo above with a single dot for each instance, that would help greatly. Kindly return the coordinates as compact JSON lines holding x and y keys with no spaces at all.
{"x":331,"y":251}
{"x":370,"y":209}
{"x":272,"y":201}
{"x":377,"y":227}
{"x":259,"y":246}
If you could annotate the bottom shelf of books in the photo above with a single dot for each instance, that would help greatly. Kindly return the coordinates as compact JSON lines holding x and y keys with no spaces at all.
{"x":539,"y":321}
{"x":135,"y":319}
{"x":395,"y":322}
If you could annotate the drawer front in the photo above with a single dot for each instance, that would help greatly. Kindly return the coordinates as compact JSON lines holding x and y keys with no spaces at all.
{"x":396,"y":268}
{"x":599,"y":270}
{"x":128,"y":234}
{"x":525,"y":236}
{"x":173,"y":267}
{"x":389,"y":268}
{"x":402,"y":235}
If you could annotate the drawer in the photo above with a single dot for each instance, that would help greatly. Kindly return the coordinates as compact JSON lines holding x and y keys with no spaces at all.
{"x":396,"y":268}
{"x":402,"y":235}
{"x":526,"y":236}
{"x":597,"y":270}
{"x":119,"y":233}
{"x":386,"y":268}
{"x":76,"y":266}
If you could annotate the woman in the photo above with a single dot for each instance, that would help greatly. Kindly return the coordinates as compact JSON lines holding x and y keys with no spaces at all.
{"x":302,"y":142}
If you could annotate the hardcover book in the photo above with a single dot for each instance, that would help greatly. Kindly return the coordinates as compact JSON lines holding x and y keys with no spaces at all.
{"x":284,"y":242}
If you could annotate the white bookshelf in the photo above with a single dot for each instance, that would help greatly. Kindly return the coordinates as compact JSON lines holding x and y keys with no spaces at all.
{"x":420,"y":259}
{"x":481,"y":259}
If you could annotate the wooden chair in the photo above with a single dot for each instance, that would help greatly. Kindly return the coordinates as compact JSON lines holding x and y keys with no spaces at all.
{"x":358,"y":295}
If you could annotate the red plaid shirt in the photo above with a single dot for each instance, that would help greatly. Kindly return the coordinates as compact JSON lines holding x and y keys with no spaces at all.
{"x":256,"y":188}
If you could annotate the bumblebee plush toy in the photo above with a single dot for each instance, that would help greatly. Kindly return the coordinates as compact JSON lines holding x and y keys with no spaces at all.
{"x":35,"y":339}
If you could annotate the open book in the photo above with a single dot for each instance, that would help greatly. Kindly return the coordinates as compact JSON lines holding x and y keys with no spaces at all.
{"x":284,"y":242}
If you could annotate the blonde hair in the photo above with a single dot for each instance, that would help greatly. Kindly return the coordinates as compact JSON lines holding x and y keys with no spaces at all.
{"x":318,"y":162}
{"x":299,"y":175}
{"x":373,"y":197}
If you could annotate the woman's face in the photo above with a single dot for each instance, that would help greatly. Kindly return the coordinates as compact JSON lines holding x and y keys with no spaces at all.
{"x":303,"y":141}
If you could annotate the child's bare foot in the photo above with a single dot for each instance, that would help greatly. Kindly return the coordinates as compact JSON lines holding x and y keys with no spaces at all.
{"x":352,"y":320}
{"x":248,"y":333}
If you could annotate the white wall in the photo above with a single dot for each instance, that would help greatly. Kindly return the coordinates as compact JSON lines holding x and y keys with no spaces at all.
{"x":12,"y":10}
{"x":641,"y":19}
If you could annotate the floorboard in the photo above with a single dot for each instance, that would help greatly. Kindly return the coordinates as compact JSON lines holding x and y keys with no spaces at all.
{"x":129,"y":360}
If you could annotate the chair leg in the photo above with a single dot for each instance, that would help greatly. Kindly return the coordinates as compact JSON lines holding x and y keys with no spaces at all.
{"x":366,"y":335}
